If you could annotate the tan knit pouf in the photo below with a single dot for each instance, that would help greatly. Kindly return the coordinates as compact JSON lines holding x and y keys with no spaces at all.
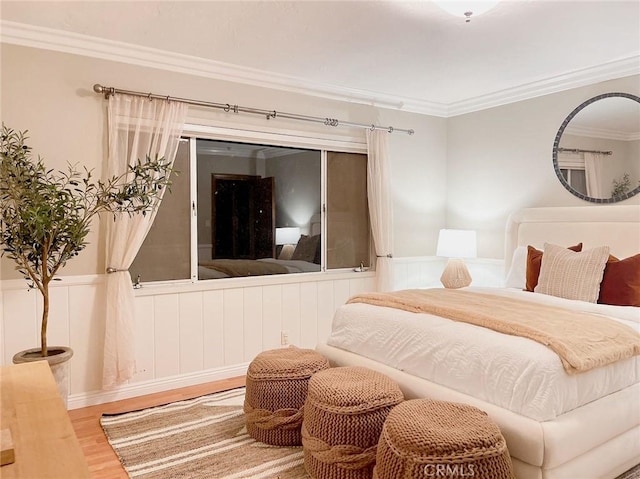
{"x":424,"y":438}
{"x":343,"y":417}
{"x":277,"y":383}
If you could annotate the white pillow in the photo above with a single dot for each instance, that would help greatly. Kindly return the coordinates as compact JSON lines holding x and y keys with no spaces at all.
{"x":571,"y":275}
{"x":517,"y":275}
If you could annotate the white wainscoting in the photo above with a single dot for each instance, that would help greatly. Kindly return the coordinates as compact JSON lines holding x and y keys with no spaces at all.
{"x":192,"y":333}
{"x":185,"y":334}
{"x":425,"y":272}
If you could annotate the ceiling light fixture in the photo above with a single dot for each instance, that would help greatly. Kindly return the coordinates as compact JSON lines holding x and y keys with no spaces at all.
{"x":466,"y":8}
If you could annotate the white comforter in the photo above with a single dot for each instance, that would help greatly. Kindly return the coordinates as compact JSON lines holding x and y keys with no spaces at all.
{"x":512,"y":372}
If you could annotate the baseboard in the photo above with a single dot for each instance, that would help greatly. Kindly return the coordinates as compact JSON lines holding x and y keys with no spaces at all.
{"x":156,"y":385}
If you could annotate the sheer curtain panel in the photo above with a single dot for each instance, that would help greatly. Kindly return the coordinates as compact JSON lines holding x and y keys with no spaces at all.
{"x":138,"y":128}
{"x":593,"y":168}
{"x":380,"y":206}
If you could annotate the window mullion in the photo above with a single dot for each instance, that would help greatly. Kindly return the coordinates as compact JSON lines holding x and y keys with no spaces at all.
{"x":193,"y":180}
{"x":323,"y":209}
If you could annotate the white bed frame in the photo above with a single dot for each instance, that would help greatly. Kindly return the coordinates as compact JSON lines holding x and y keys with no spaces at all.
{"x":598,"y":440}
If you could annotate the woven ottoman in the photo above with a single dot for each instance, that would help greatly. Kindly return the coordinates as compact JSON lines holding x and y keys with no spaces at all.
{"x":426,"y":438}
{"x":277,"y":383}
{"x":343,"y":416}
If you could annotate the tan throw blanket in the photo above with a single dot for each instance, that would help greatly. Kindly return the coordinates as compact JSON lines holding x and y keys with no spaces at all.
{"x":244,"y":267}
{"x":583,"y":341}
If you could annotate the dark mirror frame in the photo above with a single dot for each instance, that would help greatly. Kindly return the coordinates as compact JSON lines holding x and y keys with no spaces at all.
{"x":556,"y":144}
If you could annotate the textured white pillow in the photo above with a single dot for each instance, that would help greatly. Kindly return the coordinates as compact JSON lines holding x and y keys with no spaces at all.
{"x":517,"y":275}
{"x":567,"y":274}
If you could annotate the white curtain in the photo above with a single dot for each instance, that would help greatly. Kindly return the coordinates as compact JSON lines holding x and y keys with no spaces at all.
{"x":593,"y":171}
{"x":380,"y":206}
{"x":138,"y":127}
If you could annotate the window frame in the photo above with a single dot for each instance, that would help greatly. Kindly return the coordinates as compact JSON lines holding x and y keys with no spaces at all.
{"x":284,"y":138}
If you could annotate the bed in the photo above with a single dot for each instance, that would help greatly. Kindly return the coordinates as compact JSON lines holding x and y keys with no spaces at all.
{"x":235,"y":268}
{"x":579,"y":426}
{"x":304,"y":258}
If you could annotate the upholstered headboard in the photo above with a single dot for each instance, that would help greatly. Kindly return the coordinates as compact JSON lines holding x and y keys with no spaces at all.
{"x":617,"y":226}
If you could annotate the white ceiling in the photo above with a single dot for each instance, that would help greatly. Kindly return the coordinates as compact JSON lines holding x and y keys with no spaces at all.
{"x":409,"y":55}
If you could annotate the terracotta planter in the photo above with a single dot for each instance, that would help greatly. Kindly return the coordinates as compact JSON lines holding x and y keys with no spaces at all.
{"x":58,"y":360}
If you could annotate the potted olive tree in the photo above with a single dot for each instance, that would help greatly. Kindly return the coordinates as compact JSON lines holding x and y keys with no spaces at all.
{"x":46,"y":216}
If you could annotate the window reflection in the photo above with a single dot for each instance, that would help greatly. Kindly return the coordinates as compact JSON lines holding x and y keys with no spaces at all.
{"x":600,"y":139}
{"x":246,"y":192}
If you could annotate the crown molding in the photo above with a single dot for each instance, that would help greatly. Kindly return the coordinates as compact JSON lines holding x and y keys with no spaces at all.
{"x":619,"y":68}
{"x":79,"y":44}
{"x":601,"y":133}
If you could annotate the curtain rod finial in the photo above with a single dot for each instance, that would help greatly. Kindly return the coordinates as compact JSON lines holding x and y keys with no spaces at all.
{"x":103,"y":89}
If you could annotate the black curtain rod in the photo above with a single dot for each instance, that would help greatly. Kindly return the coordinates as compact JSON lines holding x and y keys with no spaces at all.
{"x":108,"y":91}
{"x":578,"y":150}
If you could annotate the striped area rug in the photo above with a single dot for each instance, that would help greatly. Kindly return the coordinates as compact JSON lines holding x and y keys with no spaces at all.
{"x":204,"y":438}
{"x":198,"y":438}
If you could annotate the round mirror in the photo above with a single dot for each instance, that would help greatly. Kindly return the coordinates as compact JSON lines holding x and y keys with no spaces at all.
{"x":596,"y":153}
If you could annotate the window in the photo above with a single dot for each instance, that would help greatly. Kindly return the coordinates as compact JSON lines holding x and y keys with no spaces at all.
{"x":347,"y":211}
{"x":576,"y":178}
{"x":165,"y":254}
{"x":573,"y":170}
{"x":242,"y":209}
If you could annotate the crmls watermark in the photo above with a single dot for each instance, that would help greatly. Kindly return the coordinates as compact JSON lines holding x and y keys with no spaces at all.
{"x":449,"y":470}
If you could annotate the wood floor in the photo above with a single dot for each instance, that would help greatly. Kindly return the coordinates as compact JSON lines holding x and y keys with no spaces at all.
{"x":103,"y":463}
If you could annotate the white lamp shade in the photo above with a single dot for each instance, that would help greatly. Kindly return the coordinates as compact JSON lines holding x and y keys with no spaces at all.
{"x":289,"y":235}
{"x":459,"y":8}
{"x":457,"y":244}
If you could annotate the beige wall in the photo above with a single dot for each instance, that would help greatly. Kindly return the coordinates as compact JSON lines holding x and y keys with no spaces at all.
{"x":419,"y":179}
{"x":50,"y":94}
{"x":469,"y":171}
{"x":500,"y":160}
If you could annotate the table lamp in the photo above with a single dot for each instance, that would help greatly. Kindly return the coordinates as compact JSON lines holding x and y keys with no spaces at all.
{"x":456,"y":245}
{"x":287,"y":237}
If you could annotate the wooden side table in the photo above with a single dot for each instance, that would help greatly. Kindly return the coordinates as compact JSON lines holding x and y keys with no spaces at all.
{"x":44,"y":441}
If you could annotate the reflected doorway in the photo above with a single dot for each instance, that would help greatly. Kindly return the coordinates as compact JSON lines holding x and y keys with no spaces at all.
{"x":242,"y":217}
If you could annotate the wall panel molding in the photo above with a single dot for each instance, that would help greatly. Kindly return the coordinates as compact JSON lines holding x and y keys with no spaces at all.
{"x":425,"y":272}
{"x":158,"y":385}
{"x":201,"y":332}
{"x":194,"y":333}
